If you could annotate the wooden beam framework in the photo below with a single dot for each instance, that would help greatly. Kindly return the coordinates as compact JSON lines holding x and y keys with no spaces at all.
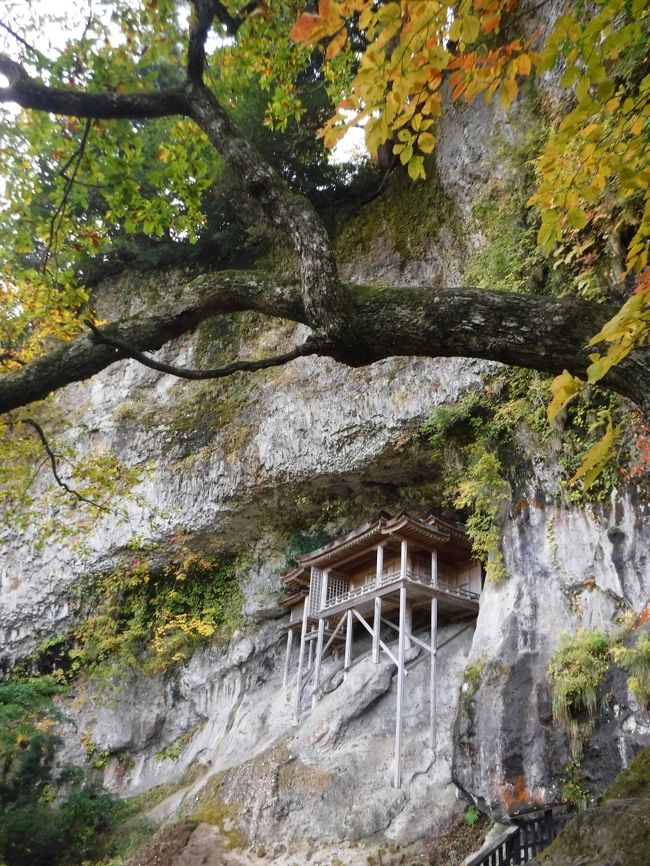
{"x":373,"y":601}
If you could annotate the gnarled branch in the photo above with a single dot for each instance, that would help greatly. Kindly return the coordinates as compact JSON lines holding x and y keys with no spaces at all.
{"x":28,"y":92}
{"x":309,"y":347}
{"x":54,"y":465}
{"x":542,"y":333}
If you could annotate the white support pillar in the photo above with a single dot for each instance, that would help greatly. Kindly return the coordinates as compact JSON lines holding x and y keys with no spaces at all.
{"x":404,"y":560}
{"x":348,"y":642}
{"x":321,"y":635}
{"x":408,"y":612}
{"x":432,"y":682}
{"x":301,"y":658}
{"x":434,"y":568}
{"x":376,"y":631}
{"x":380,"y":563}
{"x":287,"y":660}
{"x":397,"y":769}
{"x":310,"y":651}
{"x":408,"y":625}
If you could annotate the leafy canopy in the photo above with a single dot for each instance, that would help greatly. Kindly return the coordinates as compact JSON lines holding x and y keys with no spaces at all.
{"x":74,"y":187}
{"x":598,"y":153}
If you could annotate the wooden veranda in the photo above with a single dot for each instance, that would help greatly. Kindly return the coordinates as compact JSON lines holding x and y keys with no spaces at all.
{"x":382,"y":576}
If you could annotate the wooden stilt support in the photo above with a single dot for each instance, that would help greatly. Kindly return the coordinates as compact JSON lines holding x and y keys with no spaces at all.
{"x":376,"y":630}
{"x":432,"y":682}
{"x":301,"y":659}
{"x":287,"y":660}
{"x":380,"y":564}
{"x":382,"y":645}
{"x":321,"y":636}
{"x":408,"y":624}
{"x":310,"y":651}
{"x":319,"y":658}
{"x":348,"y":641}
{"x":397,"y":770}
{"x":377,"y":620}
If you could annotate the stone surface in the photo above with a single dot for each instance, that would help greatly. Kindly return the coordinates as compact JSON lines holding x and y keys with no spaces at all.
{"x":568,"y":569}
{"x":307,"y":441}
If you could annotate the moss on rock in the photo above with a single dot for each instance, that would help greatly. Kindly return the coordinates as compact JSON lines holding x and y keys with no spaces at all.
{"x":617,"y":831}
{"x":412,"y":213}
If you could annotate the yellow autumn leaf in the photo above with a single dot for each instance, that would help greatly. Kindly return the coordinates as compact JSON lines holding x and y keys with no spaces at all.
{"x":470,"y":28}
{"x":508,"y":93}
{"x":524,"y":64}
{"x":416,"y":168}
{"x":426,"y":142}
{"x":563,"y":388}
{"x":577,"y":218}
{"x":596,"y":458}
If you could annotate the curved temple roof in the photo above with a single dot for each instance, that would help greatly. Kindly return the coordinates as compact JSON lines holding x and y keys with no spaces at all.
{"x":431,"y":532}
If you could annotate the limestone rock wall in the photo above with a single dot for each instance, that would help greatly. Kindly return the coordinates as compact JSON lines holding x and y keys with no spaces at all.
{"x":568,"y":569}
{"x":243,"y":462}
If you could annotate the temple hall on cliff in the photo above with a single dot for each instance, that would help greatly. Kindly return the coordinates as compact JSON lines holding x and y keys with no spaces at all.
{"x":391,"y":577}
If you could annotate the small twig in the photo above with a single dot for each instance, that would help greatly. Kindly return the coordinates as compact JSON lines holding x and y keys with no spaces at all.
{"x":9,"y":356}
{"x":25,"y":44}
{"x":309,"y":347}
{"x":59,"y":213}
{"x":55,"y":468}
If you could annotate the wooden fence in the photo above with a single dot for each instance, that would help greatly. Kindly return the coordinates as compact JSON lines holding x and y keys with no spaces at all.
{"x":525,"y":839}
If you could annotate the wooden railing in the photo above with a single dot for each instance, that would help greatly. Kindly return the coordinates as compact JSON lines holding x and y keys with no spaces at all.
{"x":528,"y":836}
{"x":394,"y":575}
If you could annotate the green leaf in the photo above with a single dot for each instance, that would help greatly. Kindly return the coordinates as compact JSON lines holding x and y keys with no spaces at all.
{"x":577,"y":218}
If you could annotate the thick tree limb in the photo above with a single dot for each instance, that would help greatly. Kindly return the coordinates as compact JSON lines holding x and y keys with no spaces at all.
{"x":30,"y":93}
{"x":541,"y":333}
{"x":206,"y":296}
{"x":203,"y":13}
{"x":323,"y":295}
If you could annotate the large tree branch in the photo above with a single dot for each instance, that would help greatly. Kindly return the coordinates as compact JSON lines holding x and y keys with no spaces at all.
{"x":324,"y":298}
{"x":541,"y":333}
{"x":323,"y":295}
{"x":205,"y":296}
{"x":30,"y":93}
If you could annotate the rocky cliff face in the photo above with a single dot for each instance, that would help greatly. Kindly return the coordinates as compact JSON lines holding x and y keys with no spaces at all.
{"x":569,"y":569}
{"x":246,"y":462}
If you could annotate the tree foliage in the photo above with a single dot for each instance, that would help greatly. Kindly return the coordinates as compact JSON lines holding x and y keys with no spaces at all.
{"x":598,"y":153}
{"x":125,"y":132}
{"x":50,"y":813}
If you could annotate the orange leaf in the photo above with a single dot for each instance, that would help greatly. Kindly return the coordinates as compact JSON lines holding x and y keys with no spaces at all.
{"x":306,"y":28}
{"x":336,"y":44}
{"x":489,"y":23}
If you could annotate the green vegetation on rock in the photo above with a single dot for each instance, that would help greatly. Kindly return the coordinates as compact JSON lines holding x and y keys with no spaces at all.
{"x":576,"y":671}
{"x":147,"y":618}
{"x":616,"y":830}
{"x":51,"y":813}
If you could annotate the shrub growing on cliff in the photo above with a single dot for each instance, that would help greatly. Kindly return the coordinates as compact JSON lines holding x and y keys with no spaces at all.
{"x":576,"y":672}
{"x":150,"y":619}
{"x":636,"y":661}
{"x":49,"y":814}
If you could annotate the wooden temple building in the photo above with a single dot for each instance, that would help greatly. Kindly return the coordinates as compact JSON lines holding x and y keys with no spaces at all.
{"x":392,"y":576}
